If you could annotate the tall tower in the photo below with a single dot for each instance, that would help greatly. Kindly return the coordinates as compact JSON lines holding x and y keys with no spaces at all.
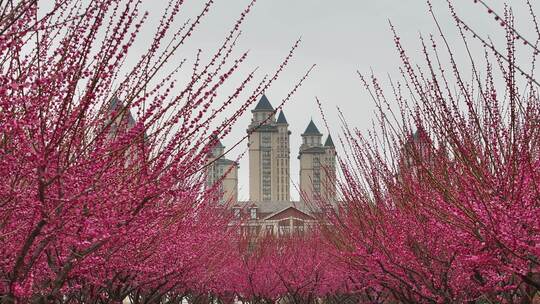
{"x":317,"y":166}
{"x":268,"y":154}
{"x":283,"y":157}
{"x":224,"y":172}
{"x":329,"y":172}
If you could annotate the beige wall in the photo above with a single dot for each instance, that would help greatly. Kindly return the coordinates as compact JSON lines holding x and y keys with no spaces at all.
{"x":306,"y":176}
{"x":328,"y":176}
{"x":323,"y":163}
{"x":282,"y":179}
{"x":230,"y":184}
{"x":254,"y":167}
{"x":279,"y":160}
{"x":224,"y":172}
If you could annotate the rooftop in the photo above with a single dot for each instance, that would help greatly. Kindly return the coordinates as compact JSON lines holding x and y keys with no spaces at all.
{"x":329,"y":142}
{"x":281,"y":118}
{"x":312,"y":129}
{"x":263,"y":105}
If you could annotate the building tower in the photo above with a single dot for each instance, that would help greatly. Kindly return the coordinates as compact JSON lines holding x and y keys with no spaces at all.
{"x":283,"y":157}
{"x":329,"y":172}
{"x":224,"y":172}
{"x":268,"y":154}
{"x":119,"y":117}
{"x":317,"y":166}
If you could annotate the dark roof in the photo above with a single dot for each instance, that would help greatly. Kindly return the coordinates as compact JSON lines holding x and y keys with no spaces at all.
{"x":218,"y":143}
{"x":263,"y":105}
{"x":116,"y":105}
{"x":312,"y":129}
{"x":329,"y":142}
{"x":420,"y":135}
{"x":281,"y":118}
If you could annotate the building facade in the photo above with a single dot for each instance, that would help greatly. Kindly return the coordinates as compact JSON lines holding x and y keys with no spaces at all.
{"x":269,"y":153}
{"x":270,"y":209}
{"x":317,"y":166}
{"x":222,"y":174}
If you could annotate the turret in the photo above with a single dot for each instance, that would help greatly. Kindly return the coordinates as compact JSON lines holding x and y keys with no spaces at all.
{"x":311,"y":156}
{"x":268,"y":154}
{"x":311,"y":136}
{"x":329,"y":143}
{"x":283,"y":158}
{"x":263,"y":111}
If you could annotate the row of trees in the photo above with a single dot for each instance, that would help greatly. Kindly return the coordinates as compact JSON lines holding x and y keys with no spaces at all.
{"x":102,"y":164}
{"x":103,"y":154}
{"x":441,"y":202}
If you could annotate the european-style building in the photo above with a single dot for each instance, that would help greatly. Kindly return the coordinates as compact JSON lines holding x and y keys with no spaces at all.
{"x":269,"y":209}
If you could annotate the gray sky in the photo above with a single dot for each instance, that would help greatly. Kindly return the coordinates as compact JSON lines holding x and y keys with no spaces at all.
{"x":341,"y":37}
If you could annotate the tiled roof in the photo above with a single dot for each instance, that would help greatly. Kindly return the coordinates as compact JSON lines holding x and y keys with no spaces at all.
{"x":281,"y":118}
{"x":329,"y":142}
{"x":115,"y":105}
{"x":218,"y":143}
{"x":311,"y":129}
{"x":263,"y":105}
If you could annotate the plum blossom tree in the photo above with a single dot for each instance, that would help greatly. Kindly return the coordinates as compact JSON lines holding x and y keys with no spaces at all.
{"x":102,"y":163}
{"x":440,"y":201}
{"x":295,"y":269}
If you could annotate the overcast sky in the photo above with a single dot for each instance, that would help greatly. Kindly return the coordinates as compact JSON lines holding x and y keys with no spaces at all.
{"x":341,"y":37}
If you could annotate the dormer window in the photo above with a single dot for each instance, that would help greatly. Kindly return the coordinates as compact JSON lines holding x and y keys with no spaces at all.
{"x":253,"y":213}
{"x":236,"y":213}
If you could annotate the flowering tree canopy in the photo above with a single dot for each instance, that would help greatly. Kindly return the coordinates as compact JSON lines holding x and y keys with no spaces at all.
{"x":440,"y":202}
{"x":103,"y":163}
{"x":103,"y":194}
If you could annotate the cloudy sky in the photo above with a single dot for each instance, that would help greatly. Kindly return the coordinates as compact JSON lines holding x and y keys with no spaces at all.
{"x":341,"y":37}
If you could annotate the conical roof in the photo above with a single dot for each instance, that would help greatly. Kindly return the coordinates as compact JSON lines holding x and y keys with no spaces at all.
{"x":263,"y":105}
{"x":312,"y":129}
{"x":420,"y":135}
{"x":115,"y":105}
{"x":218,"y":143}
{"x":281,"y":118}
{"x":329,"y":142}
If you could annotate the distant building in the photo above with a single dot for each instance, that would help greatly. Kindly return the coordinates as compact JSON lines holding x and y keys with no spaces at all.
{"x":317,"y":166}
{"x":269,"y":209}
{"x":222,"y":173}
{"x":119,"y":118}
{"x":118,"y":121}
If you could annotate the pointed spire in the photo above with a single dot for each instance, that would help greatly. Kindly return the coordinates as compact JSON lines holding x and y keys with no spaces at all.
{"x":114,"y":104}
{"x":218,"y":143}
{"x":281,"y":118}
{"x":420,"y":135}
{"x":263,"y":105}
{"x":312,"y":129}
{"x":329,"y":142}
